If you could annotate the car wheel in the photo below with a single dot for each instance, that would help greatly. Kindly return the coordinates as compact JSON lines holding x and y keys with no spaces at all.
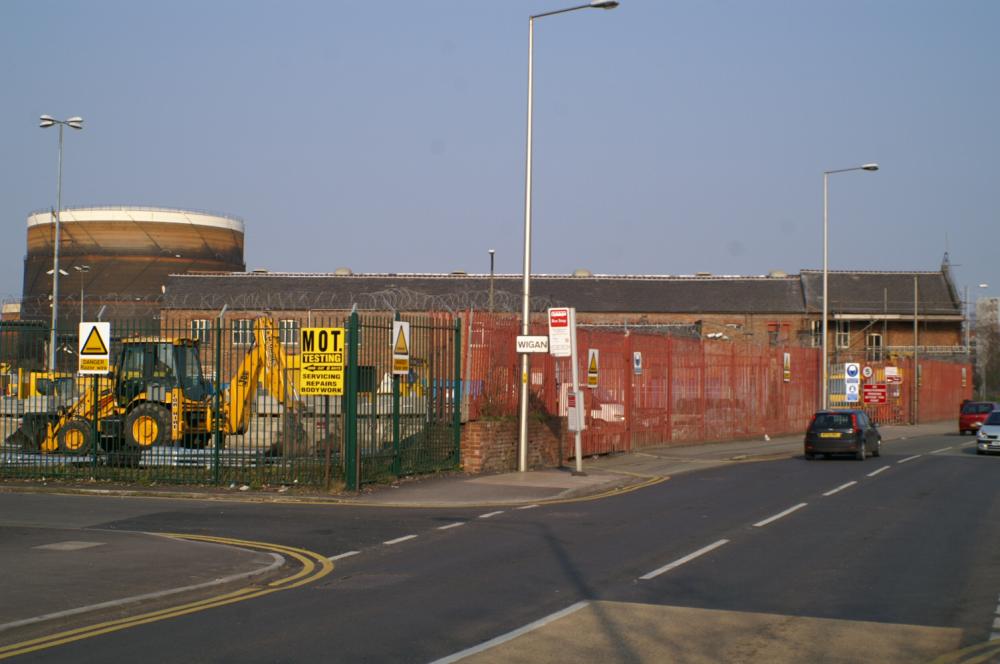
{"x":810,"y":456}
{"x":877,"y":452}
{"x":860,"y":456}
{"x":980,"y":452}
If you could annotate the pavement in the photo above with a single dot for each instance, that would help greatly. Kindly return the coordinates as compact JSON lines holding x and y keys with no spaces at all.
{"x":81,"y":592}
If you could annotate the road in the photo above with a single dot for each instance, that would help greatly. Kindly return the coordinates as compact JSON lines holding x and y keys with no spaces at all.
{"x":891,"y":559}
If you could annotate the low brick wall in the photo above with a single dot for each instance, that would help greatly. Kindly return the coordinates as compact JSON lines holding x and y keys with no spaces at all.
{"x":490,"y":446}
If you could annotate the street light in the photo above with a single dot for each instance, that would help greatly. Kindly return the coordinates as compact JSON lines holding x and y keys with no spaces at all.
{"x":491,"y":279}
{"x":81,"y":269}
{"x":522,"y":461}
{"x":76,"y":123}
{"x":826,"y":178}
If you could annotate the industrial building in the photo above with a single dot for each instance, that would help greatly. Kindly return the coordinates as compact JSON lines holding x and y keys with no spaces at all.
{"x":119,"y":258}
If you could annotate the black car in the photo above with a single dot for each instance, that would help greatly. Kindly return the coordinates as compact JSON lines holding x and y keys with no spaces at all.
{"x":842,"y":432}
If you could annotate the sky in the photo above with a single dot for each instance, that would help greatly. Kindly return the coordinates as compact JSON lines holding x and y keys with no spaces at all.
{"x":670,"y":136}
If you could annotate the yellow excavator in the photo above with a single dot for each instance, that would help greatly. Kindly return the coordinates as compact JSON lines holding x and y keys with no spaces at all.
{"x":157,"y":394}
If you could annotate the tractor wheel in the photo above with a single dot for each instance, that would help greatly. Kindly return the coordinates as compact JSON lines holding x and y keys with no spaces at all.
{"x":146,"y":425}
{"x":76,"y":437}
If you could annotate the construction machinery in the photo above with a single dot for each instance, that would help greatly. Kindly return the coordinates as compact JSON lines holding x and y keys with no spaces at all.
{"x":157,"y":394}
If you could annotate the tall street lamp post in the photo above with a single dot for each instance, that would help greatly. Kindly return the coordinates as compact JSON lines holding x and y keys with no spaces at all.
{"x":81,"y":269}
{"x":492,"y":253}
{"x":826,"y":276}
{"x":76,"y":123}
{"x":522,"y":461}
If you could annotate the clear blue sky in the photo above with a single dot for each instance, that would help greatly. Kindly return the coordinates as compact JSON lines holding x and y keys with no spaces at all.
{"x":670,"y":136}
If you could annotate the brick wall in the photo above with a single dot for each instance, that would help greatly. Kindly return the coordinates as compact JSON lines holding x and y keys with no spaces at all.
{"x":490,"y":446}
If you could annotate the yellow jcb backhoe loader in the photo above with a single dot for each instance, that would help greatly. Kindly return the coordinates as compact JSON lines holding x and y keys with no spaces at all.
{"x":157,"y":395}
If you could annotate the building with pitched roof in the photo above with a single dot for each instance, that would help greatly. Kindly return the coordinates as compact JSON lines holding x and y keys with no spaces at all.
{"x":871,"y":314}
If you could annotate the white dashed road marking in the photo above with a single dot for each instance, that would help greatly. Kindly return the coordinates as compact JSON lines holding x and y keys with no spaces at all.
{"x":943,"y":449}
{"x":839,"y":488}
{"x":686,"y":559}
{"x":915,"y":456}
{"x":527,"y":507}
{"x":880,"y":470}
{"x":400,"y":539}
{"x":761,"y":524}
{"x":490,"y":515}
{"x":347,"y":554}
{"x":452,"y":525}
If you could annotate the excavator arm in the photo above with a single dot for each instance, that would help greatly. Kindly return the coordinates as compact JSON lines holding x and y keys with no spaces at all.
{"x":267,"y":364}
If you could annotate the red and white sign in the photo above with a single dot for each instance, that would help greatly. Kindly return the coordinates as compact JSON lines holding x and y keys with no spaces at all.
{"x":875,"y":393}
{"x":892,"y":375}
{"x":560,"y":332}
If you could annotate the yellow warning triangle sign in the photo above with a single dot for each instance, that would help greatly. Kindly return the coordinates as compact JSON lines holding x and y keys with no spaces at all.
{"x":593,"y":364}
{"x":399,"y":348}
{"x":94,"y":345}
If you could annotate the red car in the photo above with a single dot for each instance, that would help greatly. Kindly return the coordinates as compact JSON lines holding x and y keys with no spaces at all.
{"x":973,"y":414}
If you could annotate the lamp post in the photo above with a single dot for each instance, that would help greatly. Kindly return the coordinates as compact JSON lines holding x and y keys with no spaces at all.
{"x":81,"y":269}
{"x":522,"y":461}
{"x":76,"y":123}
{"x":492,"y":253}
{"x":826,"y":275}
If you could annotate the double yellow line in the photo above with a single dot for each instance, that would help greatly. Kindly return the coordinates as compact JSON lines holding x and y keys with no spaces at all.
{"x":314,"y":567}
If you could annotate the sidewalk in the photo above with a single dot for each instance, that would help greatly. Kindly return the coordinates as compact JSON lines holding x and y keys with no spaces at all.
{"x":604,"y":475}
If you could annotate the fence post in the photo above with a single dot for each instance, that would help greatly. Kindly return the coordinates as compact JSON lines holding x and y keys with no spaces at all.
{"x":350,"y":407}
{"x":395,"y":408}
{"x":628,"y":406}
{"x":456,"y":418}
{"x":96,"y":433}
{"x":668,"y":378}
{"x":217,"y":407}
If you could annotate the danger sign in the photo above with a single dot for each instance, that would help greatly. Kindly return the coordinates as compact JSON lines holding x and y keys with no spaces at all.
{"x":593,"y":372}
{"x":94,"y":356}
{"x":400,"y":348}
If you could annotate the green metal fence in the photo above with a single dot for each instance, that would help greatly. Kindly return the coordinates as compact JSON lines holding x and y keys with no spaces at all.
{"x":219,"y":401}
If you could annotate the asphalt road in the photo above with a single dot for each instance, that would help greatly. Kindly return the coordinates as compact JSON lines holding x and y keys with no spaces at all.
{"x":891,"y":559}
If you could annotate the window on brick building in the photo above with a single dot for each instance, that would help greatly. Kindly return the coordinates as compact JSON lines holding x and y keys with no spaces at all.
{"x":288,"y":332}
{"x":843,"y":334}
{"x":816,"y":337}
{"x":243,"y":332}
{"x":777,"y":333}
{"x":201,"y":330}
{"x":873,"y":348}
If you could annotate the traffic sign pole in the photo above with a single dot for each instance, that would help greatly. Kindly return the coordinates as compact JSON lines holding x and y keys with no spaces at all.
{"x":577,"y":441}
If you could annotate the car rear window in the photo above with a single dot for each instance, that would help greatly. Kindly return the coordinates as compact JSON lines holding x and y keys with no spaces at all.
{"x":977,"y":408}
{"x":994,"y":417}
{"x":833,"y":421}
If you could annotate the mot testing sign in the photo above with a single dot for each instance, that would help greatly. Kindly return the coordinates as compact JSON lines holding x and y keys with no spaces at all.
{"x":94,"y":342}
{"x":321,"y":356}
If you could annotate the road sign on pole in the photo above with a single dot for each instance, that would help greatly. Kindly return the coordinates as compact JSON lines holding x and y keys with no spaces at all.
{"x":560,"y":332}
